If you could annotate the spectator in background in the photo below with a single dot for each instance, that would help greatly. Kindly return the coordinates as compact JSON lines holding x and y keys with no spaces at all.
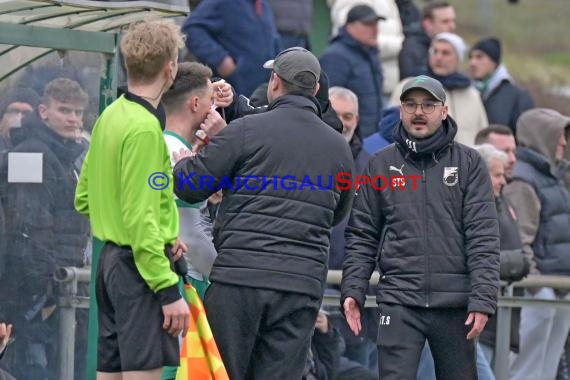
{"x":45,"y":232}
{"x":463,"y":100}
{"x":390,"y":35}
{"x":345,"y":104}
{"x":437,"y":17}
{"x":361,"y":349}
{"x":14,"y":105}
{"x":503,"y":100}
{"x":543,"y":206}
{"x":324,"y":354}
{"x":502,"y":139}
{"x":293,"y":19}
{"x":235,"y":38}
{"x":510,"y":240}
{"x":384,"y":136}
{"x":351,"y":61}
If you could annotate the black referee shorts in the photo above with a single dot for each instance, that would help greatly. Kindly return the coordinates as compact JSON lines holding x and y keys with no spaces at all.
{"x":131,"y":337}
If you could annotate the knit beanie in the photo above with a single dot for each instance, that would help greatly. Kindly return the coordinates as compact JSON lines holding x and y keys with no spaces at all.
{"x":490,"y":46}
{"x":18,"y":95}
{"x":457,"y":42}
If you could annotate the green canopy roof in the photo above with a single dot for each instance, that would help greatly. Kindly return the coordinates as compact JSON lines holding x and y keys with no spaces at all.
{"x":48,"y":25}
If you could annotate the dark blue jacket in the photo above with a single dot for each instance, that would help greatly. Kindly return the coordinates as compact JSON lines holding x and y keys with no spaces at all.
{"x":350,"y":64}
{"x":551,"y":245}
{"x":218,"y":28}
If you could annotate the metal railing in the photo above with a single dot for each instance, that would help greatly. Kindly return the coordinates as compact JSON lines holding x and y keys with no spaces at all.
{"x":504,"y":309}
{"x":68,"y":300}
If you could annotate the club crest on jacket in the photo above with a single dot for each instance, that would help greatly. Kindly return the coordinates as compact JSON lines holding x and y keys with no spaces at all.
{"x":450,"y":175}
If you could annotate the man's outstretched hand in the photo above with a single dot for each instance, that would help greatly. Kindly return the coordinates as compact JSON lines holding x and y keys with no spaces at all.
{"x":352,"y":313}
{"x":479,"y":320}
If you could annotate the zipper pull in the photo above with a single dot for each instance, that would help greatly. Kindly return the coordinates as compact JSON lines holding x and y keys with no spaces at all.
{"x":423,"y":175}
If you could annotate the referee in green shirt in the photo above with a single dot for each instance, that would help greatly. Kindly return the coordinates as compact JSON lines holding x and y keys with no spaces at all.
{"x":125,"y":189}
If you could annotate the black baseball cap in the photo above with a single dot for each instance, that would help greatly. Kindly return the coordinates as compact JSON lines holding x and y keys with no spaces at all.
{"x":433,"y":86}
{"x":296,"y":65}
{"x":363,"y":13}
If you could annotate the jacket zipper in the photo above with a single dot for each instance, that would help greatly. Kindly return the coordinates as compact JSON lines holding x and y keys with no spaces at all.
{"x":426,"y":253}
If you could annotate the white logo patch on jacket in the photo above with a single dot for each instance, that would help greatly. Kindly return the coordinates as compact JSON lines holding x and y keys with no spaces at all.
{"x":450,"y":175}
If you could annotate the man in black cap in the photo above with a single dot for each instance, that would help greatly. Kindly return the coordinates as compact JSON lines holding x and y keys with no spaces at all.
{"x":433,"y":232}
{"x":504,"y":101}
{"x":351,"y":61}
{"x":272,"y":234}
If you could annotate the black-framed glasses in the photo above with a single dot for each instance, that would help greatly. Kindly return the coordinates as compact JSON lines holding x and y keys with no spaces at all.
{"x":427,"y":107}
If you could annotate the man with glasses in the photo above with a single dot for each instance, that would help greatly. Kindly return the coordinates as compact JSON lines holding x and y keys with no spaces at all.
{"x":436,"y":243}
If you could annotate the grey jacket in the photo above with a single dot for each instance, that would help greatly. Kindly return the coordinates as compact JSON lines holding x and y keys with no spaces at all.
{"x":538,"y":194}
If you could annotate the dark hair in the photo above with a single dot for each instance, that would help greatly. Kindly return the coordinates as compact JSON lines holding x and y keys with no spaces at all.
{"x":191,"y":76}
{"x":430,"y":7}
{"x":483,"y":135}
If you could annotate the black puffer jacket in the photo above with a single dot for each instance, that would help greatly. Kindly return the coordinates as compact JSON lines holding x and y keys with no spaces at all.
{"x":44,"y":231}
{"x":436,"y":246}
{"x":267,"y":236}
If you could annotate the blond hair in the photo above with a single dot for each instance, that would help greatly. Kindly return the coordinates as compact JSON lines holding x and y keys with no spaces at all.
{"x":147,"y":46}
{"x":64,"y":90}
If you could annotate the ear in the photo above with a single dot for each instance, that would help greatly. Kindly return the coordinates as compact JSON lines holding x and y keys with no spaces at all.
{"x":357,"y":117}
{"x":42,"y":111}
{"x":193,"y":103}
{"x":444,"y":112}
{"x":426,"y":25}
{"x":275,"y":82}
{"x":317,"y":87}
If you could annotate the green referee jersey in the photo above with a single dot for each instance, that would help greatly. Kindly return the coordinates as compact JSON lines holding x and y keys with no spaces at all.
{"x":114,"y":189}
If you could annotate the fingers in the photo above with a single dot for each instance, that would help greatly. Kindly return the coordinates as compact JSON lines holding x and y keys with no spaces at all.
{"x":223,"y":94}
{"x":352,"y":312}
{"x":354,"y":323}
{"x":183,"y":246}
{"x":176,"y":317}
{"x":166,"y":324}
{"x":213,"y":123}
{"x":175,"y":326}
{"x":479,"y":321}
{"x":181,"y":154}
{"x":469,"y":319}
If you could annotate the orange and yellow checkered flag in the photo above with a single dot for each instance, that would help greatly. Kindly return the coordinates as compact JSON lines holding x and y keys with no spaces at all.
{"x":199,"y":356}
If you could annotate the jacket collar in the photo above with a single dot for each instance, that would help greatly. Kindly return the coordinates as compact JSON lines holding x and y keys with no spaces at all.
{"x":309,"y":103}
{"x":432,"y":147}
{"x":33,"y":127}
{"x":159,"y":112}
{"x":344,"y":37}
